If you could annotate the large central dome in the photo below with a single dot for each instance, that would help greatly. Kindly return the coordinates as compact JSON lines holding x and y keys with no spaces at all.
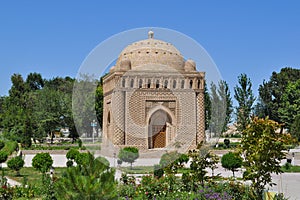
{"x":150,"y":51}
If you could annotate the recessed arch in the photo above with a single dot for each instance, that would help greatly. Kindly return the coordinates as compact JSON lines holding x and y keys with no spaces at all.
{"x":159,"y":119}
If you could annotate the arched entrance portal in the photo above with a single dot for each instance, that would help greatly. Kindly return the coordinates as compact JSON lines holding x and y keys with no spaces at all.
{"x":157,"y":129}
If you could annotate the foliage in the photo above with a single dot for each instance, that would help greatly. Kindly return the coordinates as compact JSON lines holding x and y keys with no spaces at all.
{"x":295,"y":128}
{"x":290,"y":104}
{"x":231,"y":161}
{"x":221,"y":104}
{"x":3,"y":156}
{"x":172,"y":161}
{"x":85,"y":95}
{"x":207,"y":106}
{"x":158,"y":171}
{"x":42,"y":162}
{"x":227,"y":142}
{"x":244,"y":95}
{"x":103,"y":160}
{"x":262,"y":148}
{"x":200,"y":160}
{"x":70,"y":163}
{"x":91,"y":180}
{"x":128,"y":154}
{"x":72,"y":154}
{"x":119,"y":162}
{"x":16,"y":163}
{"x":171,"y":187}
{"x":2,"y":144}
{"x":287,"y":167}
{"x":10,"y":147}
{"x":24,"y":114}
{"x":271,"y":92}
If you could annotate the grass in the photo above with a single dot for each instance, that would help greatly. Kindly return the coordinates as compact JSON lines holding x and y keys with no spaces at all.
{"x":291,"y":169}
{"x":146,"y":170}
{"x":138,"y":170}
{"x":31,"y":175}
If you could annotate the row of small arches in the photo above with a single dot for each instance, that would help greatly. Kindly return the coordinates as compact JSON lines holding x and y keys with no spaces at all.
{"x":171,"y":84}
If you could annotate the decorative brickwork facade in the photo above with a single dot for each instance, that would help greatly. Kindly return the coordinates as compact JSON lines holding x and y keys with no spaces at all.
{"x":153,"y":98}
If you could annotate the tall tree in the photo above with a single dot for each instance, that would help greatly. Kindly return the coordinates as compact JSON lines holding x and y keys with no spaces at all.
{"x":225,"y":96}
{"x":271,"y":91}
{"x":34,"y":81}
{"x":244,"y":95}
{"x":217,"y":111}
{"x":289,"y":106}
{"x":207,"y":107}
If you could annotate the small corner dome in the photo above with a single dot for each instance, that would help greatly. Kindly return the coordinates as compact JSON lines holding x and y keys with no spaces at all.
{"x":112,"y":69}
{"x":125,"y":64}
{"x":190,"y":65}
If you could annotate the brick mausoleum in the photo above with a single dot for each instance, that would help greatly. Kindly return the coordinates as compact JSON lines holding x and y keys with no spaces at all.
{"x":153,"y":98}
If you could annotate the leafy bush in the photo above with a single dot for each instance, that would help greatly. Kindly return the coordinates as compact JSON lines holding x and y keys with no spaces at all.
{"x":69,"y":163}
{"x":103,"y":160}
{"x":42,"y":162}
{"x":72,"y":154}
{"x":2,"y":144}
{"x":227,"y":142}
{"x":16,"y":163}
{"x":128,"y":154}
{"x":172,"y":161}
{"x":119,"y":162}
{"x":158,"y":171}
{"x":231,"y":161}
{"x":3,"y":156}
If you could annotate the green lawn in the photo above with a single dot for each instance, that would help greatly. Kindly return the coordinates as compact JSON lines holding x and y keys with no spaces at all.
{"x":137,"y":170}
{"x":291,"y":169}
{"x":32,"y":176}
{"x":145,"y":170}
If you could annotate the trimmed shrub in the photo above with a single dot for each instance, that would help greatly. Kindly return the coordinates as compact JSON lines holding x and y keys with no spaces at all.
{"x":3,"y":156}
{"x":16,"y":163}
{"x":158,"y":171}
{"x":42,"y":162}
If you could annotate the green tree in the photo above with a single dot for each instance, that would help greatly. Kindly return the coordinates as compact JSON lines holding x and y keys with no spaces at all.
{"x":262,"y":148}
{"x":92,"y":180}
{"x":207,"y":106}
{"x":295,"y":128}
{"x":34,"y":81}
{"x":42,"y":162}
{"x":72,"y":154}
{"x":85,"y":94}
{"x":225,"y":95}
{"x":290,"y":104}
{"x":272,"y":90}
{"x":16,"y":163}
{"x":99,"y":101}
{"x":128,"y":154}
{"x":231,"y":161}
{"x":221,"y":104}
{"x":244,"y":95}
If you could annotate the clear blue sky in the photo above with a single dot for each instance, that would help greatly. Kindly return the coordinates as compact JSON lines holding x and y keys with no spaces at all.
{"x":54,"y":37}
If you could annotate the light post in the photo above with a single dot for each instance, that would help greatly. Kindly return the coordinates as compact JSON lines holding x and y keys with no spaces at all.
{"x":94,"y":124}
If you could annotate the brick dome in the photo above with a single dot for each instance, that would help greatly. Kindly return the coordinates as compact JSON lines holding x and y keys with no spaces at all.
{"x":151,"y":51}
